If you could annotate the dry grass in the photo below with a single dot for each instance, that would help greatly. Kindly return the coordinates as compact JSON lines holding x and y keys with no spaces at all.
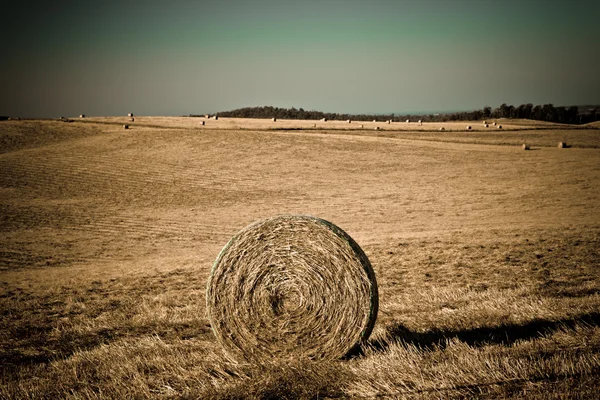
{"x":486,"y":258}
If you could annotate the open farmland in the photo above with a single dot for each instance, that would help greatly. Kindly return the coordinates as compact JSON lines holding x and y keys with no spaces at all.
{"x":487,"y":256}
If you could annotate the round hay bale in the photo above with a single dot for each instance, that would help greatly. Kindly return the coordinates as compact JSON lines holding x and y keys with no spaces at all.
{"x":125,"y":126}
{"x":493,"y":123}
{"x":484,"y":122}
{"x":291,"y":286}
{"x":408,"y":121}
{"x":274,"y":119}
{"x":202,"y":123}
{"x":132,"y":119}
{"x":349,"y":121}
{"x":324,"y":119}
{"x":81,"y":115}
{"x":130,"y":115}
{"x":442,"y":129}
{"x":389,"y":121}
{"x":216,"y":117}
{"x":525,"y":146}
{"x":374,"y":120}
{"x":486,"y":125}
{"x":469,"y":127}
{"x":499,"y":127}
{"x":377,"y":128}
{"x":206,"y":116}
{"x":562,"y":145}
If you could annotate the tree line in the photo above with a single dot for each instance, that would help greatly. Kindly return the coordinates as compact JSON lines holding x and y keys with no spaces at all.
{"x":546,"y":112}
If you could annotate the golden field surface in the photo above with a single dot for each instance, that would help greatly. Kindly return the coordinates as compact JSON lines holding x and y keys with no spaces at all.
{"x":487,"y":256}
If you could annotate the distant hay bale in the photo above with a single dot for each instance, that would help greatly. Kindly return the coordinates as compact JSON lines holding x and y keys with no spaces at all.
{"x":389,"y":121}
{"x":125,"y":126}
{"x":202,"y":123}
{"x":324,"y":119}
{"x":468,"y":127}
{"x":132,"y":119}
{"x":349,"y":121}
{"x":206,"y":116}
{"x":292,"y":287}
{"x":562,"y":145}
{"x":499,"y":127}
{"x":130,"y":115}
{"x":493,"y":123}
{"x":408,"y":121}
{"x":484,"y":122}
{"x":442,"y":129}
{"x":81,"y":115}
{"x":374,"y":120}
{"x":486,"y":125}
{"x":274,"y":119}
{"x":525,"y":146}
{"x":216,"y":117}
{"x":377,"y":128}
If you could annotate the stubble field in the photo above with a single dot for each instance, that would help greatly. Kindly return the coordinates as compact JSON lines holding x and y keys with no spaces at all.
{"x":486,"y":255}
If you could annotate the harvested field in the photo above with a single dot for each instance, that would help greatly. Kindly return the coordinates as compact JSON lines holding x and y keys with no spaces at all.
{"x":486,"y":256}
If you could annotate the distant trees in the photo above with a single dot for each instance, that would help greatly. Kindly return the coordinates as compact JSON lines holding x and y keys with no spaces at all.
{"x":546,"y":112}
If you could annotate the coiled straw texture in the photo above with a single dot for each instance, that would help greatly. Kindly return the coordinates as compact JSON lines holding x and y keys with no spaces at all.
{"x":291,"y":286}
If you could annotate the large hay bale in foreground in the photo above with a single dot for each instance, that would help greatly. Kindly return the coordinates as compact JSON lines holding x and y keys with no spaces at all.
{"x":291,"y":286}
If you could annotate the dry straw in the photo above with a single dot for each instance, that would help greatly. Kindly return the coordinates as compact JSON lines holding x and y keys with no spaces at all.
{"x":291,"y":286}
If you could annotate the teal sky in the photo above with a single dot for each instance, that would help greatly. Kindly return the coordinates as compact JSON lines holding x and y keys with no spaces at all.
{"x":181,"y":57}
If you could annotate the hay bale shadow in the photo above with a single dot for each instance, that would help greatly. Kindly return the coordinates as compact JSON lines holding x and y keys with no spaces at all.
{"x":477,"y":337}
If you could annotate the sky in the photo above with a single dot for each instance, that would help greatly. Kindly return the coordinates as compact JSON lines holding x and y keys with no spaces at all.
{"x":105,"y":58}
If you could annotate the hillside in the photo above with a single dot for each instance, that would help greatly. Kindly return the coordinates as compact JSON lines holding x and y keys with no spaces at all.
{"x":485,"y":255}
